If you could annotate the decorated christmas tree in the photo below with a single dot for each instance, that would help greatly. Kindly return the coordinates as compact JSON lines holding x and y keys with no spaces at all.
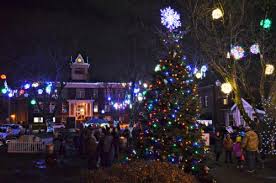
{"x":169,"y":129}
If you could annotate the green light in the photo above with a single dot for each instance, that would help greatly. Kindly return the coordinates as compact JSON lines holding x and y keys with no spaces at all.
{"x":170,"y":122}
{"x":4,"y":90}
{"x":174,"y":145}
{"x":33,"y":102}
{"x":266,"y":23}
{"x":154,"y":125}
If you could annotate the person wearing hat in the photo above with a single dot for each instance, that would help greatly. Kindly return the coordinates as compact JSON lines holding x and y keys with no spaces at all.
{"x":228,"y":146}
{"x":237,"y":149}
{"x":250,"y":145}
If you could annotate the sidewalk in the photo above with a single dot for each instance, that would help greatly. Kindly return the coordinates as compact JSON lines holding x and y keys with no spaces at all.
{"x":228,"y":173}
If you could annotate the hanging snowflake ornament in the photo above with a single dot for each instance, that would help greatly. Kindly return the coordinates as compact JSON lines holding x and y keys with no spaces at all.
{"x":255,"y":49}
{"x":170,"y":18}
{"x":237,"y":52}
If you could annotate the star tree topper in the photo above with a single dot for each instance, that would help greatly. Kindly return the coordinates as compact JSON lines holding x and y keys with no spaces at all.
{"x":170,"y":18}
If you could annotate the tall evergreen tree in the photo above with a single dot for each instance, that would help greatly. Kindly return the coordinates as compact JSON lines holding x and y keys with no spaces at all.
{"x":170,"y":131}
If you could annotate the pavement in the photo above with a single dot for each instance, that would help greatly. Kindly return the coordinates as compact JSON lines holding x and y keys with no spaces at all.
{"x":228,"y":173}
{"x":26,"y":168}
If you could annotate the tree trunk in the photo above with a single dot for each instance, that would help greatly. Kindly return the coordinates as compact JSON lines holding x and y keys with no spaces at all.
{"x":238,"y":98}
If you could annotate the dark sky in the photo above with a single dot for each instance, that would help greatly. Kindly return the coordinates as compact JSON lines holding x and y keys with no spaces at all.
{"x":38,"y":36}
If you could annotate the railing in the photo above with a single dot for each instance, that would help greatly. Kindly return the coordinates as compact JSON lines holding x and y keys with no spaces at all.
{"x":15,"y":146}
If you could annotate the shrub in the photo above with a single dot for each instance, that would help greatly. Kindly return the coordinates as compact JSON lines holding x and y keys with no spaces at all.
{"x":140,"y":172}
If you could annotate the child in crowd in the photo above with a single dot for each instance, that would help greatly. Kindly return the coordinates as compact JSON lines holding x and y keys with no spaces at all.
{"x":237,"y":149}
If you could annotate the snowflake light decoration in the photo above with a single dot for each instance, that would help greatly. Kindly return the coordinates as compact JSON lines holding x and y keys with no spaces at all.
{"x":237,"y":52}
{"x":170,"y":18}
{"x":255,"y":49}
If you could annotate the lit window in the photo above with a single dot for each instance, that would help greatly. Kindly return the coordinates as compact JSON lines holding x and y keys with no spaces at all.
{"x":206,"y":101}
{"x":96,"y":109}
{"x":225,"y":101}
{"x":38,"y":119}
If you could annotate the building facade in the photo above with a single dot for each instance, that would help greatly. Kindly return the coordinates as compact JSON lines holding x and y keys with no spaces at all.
{"x":79,"y":100}
{"x":215,"y":106}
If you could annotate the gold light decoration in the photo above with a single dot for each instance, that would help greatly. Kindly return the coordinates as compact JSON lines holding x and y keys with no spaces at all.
{"x":198,"y":75}
{"x":217,"y":14}
{"x":269,"y":69}
{"x":226,"y":88}
{"x":3,"y":76}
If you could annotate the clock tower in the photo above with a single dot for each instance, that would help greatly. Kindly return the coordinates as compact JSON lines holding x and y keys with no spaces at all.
{"x":79,"y":69}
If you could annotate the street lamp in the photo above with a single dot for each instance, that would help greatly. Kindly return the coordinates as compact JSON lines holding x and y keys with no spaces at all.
{"x":226,"y":88}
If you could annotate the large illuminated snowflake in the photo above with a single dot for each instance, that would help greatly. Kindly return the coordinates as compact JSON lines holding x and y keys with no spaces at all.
{"x":170,"y":18}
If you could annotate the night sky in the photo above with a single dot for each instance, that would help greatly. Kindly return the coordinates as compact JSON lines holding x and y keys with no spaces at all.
{"x":118,"y":36}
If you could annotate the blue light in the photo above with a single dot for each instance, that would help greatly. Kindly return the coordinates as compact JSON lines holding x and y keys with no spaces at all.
{"x":49,"y":88}
{"x":189,"y":67}
{"x":203,"y":68}
{"x":109,"y":98}
{"x":27,"y":86}
{"x":10,"y":95}
{"x":39,"y":91}
{"x":136,"y":90}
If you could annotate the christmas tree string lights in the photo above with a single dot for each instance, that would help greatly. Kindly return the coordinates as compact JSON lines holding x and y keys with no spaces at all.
{"x":171,"y":107}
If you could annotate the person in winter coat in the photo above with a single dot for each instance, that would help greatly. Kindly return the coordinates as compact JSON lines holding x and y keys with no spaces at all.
{"x":218,"y":145}
{"x":237,"y":149}
{"x":116,"y":142}
{"x":92,"y":153}
{"x":250,"y":145}
{"x":106,"y":149}
{"x":228,"y":147}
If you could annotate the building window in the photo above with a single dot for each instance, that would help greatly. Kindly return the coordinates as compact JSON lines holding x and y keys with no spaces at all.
{"x":95,"y":93}
{"x":206,"y":101}
{"x":38,"y":119}
{"x":96,"y":108}
{"x":107,"y":107}
{"x":80,"y":93}
{"x":225,"y":101}
{"x":200,"y":101}
{"x":79,"y":71}
{"x":64,"y":108}
{"x":52,"y":107}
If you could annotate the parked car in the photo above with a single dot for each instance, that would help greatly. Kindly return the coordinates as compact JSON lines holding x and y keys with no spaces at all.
{"x":4,"y":133}
{"x":16,"y":129}
{"x":52,"y":127}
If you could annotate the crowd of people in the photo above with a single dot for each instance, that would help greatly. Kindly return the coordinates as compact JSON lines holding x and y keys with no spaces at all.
{"x":101,"y":146}
{"x":245,"y":147}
